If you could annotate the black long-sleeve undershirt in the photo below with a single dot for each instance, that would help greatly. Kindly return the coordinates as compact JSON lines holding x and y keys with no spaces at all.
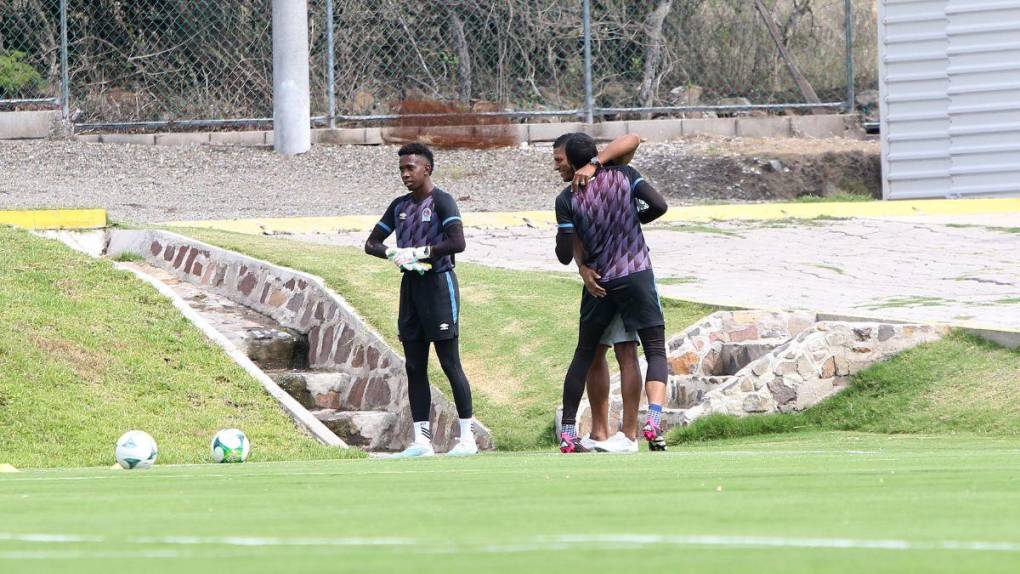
{"x":656,"y":203}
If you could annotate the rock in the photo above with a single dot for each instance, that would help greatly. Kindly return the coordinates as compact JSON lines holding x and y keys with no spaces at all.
{"x":885,"y":332}
{"x":805,"y":368}
{"x":842,"y":366}
{"x":755,"y":403}
{"x":367,"y":429}
{"x":687,"y":95}
{"x":685,"y":364}
{"x":862,"y":333}
{"x":829,"y":368}
{"x":781,"y":392}
{"x":775,"y":166}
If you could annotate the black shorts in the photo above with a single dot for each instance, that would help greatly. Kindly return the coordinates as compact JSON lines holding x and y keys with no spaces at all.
{"x":429,"y":306}
{"x":634,"y":297}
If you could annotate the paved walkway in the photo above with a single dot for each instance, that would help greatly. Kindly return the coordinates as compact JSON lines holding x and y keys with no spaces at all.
{"x":959,"y":269}
{"x":954,"y":261}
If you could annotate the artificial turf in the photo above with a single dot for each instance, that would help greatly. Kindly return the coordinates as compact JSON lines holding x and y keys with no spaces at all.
{"x":811,"y":502}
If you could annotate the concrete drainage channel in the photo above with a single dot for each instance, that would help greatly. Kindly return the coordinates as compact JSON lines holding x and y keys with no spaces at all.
{"x":328,"y":369}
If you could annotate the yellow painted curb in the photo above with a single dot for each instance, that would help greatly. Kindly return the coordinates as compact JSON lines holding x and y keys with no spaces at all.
{"x":54,"y":218}
{"x":754,"y":211}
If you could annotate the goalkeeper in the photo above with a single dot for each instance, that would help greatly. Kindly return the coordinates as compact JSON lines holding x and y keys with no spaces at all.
{"x":429,"y":233}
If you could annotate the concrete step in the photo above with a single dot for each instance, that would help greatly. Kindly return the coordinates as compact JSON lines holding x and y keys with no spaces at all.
{"x":370,"y":430}
{"x":314,"y":389}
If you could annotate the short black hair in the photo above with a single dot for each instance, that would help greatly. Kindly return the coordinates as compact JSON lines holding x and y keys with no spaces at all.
{"x":418,"y":149}
{"x":562,"y":140}
{"x":580,"y":148}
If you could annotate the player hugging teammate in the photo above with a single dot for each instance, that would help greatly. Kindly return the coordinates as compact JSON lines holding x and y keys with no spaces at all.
{"x":604,"y":216}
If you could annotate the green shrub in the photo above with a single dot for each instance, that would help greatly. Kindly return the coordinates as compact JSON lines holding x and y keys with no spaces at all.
{"x":17,"y":77}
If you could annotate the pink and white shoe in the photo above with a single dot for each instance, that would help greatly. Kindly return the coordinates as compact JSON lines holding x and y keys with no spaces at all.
{"x":571,"y":444}
{"x":653,"y":434}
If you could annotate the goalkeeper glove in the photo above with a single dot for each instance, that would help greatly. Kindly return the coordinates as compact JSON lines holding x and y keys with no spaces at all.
{"x":420,"y":266}
{"x":400,"y":256}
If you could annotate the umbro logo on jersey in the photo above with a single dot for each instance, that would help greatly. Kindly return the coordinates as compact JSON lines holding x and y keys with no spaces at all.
{"x":444,"y":326}
{"x":403,"y":216}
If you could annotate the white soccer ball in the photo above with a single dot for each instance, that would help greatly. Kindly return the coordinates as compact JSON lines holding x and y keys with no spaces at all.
{"x":230,"y":445}
{"x":136,"y":449}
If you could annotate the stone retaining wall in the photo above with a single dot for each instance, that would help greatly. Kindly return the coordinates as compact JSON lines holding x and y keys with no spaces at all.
{"x":812,"y":367}
{"x":339,"y":339}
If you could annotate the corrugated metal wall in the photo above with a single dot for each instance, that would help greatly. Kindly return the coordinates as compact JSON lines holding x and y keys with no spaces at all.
{"x":950,"y":87}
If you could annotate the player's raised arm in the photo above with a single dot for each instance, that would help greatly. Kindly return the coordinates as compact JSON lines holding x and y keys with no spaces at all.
{"x":641,"y":189}
{"x":619,"y":151}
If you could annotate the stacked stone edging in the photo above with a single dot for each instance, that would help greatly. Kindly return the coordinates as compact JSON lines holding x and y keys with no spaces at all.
{"x":757,"y":362}
{"x":339,"y":339}
{"x":813,"y":366}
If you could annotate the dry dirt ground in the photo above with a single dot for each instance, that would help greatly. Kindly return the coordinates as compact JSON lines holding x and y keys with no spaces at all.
{"x":155,"y":183}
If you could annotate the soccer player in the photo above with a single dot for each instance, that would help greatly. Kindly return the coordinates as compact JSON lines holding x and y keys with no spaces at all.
{"x":429,"y":234}
{"x":604,"y":216}
{"x":624,"y":343}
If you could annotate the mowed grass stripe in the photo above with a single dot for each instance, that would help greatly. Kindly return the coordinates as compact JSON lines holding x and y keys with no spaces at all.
{"x":914,"y":505}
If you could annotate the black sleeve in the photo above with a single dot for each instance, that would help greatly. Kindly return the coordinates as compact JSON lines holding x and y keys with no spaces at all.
{"x":374,"y":245}
{"x":641,"y":189}
{"x":446,"y":209}
{"x":453,"y":227}
{"x":564,"y":229}
{"x":453,"y":242}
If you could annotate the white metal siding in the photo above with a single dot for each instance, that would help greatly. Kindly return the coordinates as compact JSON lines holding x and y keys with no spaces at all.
{"x":950,"y":89}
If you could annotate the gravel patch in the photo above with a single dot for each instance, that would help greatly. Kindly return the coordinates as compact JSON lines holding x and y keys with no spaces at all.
{"x":145,"y":184}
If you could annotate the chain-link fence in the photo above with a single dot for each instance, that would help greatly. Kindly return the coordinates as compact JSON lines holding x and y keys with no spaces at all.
{"x":30,"y":49}
{"x":151,"y":63}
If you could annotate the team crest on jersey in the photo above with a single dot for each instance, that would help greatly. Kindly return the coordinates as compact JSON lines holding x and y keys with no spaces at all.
{"x":426,"y":214}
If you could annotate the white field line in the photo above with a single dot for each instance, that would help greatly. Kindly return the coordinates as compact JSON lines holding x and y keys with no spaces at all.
{"x":530,"y":544}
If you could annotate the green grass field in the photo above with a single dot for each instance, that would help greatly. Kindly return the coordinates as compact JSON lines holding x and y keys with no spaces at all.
{"x":88,"y":352}
{"x":817,"y":502}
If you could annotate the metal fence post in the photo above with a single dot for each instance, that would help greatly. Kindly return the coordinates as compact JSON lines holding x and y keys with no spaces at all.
{"x":589,"y":100}
{"x":65,"y":88}
{"x":330,"y":62}
{"x":851,"y":97}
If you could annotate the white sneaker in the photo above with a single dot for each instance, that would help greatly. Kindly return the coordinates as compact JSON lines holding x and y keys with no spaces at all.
{"x":587,"y":443}
{"x":618,"y":443}
{"x":416,"y":450}
{"x":464,"y":448}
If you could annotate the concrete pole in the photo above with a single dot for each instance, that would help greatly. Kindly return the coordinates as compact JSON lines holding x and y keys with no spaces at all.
{"x":589,"y":100}
{"x":292,"y":116}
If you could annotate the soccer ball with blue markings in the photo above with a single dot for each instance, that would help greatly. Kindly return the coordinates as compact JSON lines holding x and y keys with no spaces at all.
{"x":136,"y":449}
{"x":230,"y":445}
